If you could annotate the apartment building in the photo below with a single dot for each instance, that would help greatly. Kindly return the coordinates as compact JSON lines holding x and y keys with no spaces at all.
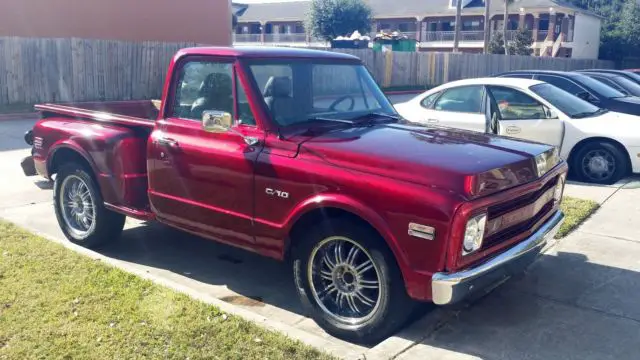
{"x":558,"y":29}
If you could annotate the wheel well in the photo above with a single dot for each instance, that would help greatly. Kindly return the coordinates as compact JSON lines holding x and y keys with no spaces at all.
{"x":322,"y":214}
{"x":63,"y":156}
{"x":584,"y":142}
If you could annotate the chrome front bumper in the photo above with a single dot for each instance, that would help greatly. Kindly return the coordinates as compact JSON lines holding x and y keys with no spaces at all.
{"x":450,"y":288}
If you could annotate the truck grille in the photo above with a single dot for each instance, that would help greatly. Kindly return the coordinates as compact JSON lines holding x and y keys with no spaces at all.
{"x":514,"y":217}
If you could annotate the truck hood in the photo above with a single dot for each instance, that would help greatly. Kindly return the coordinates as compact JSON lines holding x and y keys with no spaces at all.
{"x":468,"y":163}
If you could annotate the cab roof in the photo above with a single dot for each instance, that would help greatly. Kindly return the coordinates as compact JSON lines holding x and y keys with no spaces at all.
{"x":266,"y":52}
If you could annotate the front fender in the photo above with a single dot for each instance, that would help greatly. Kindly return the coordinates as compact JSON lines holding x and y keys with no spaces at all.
{"x":353,"y":206}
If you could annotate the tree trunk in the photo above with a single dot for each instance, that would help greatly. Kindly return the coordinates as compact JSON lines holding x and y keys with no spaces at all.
{"x":456,"y":36}
{"x":505,"y":25}
{"x":487,"y":25}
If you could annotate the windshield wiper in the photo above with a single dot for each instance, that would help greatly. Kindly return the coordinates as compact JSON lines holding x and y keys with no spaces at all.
{"x":368,"y":118}
{"x":585,"y":114}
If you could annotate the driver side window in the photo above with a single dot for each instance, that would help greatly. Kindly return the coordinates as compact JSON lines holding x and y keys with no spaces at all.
{"x":516,"y":105}
{"x":203,"y":86}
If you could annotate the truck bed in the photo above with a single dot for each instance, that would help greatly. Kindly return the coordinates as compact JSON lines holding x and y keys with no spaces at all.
{"x":128,"y":113}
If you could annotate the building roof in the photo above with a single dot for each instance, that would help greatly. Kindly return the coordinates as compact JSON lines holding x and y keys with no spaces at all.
{"x":266,"y":52}
{"x":297,"y":10}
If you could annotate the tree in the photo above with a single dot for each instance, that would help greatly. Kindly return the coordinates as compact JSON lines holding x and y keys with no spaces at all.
{"x":522,"y":43}
{"x":329,"y":19}
{"x":497,"y":43}
{"x":629,"y":27}
{"x":487,"y":25}
{"x":505,"y":25}
{"x":456,"y":36}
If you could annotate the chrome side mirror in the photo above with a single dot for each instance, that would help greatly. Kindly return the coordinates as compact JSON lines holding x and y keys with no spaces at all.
{"x":222,"y":122}
{"x":216,"y":121}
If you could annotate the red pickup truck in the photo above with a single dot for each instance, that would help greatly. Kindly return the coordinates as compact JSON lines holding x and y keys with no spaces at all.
{"x":298,"y":155}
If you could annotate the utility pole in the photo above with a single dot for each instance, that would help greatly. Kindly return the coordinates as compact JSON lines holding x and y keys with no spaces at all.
{"x":456,"y":36}
{"x":487,"y":25}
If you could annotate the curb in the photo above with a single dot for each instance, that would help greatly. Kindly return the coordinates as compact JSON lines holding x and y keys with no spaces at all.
{"x":323,"y":344}
{"x":18,"y":116}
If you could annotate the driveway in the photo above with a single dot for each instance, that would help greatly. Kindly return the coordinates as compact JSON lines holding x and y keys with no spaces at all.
{"x":578,"y":302}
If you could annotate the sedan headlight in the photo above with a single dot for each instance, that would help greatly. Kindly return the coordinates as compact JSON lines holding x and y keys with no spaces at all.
{"x":474,"y":234}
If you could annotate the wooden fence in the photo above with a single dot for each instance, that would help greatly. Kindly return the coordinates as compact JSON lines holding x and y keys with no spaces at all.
{"x":54,"y":70}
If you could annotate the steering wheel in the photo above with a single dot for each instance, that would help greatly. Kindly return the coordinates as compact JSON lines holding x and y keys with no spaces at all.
{"x":341,"y":99}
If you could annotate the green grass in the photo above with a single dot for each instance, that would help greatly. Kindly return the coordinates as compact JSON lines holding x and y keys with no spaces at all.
{"x":575,"y":211}
{"x":57,"y":304}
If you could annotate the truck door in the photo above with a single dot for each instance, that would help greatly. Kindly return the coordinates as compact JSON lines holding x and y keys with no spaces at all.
{"x":202,"y":181}
{"x":519,"y":115}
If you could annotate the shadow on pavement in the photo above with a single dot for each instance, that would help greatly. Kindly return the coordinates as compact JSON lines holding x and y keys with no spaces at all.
{"x":565,"y":308}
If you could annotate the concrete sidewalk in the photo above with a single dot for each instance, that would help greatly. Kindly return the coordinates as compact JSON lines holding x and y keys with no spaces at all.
{"x":578,"y":302}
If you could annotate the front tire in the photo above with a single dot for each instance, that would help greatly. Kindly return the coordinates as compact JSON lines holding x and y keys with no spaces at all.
{"x":80,"y":210}
{"x":600,"y":162}
{"x":349,"y":283}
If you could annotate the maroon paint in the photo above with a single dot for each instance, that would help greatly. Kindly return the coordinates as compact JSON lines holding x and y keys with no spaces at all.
{"x":213,"y":185}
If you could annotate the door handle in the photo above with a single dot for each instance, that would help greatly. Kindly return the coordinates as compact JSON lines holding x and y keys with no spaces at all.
{"x":168,"y":142}
{"x":432,"y":121}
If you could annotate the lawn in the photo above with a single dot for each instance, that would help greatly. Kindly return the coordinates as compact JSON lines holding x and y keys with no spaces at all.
{"x":575,"y":211}
{"x":57,"y":304}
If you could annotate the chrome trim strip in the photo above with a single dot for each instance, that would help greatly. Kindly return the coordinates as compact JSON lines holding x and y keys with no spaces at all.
{"x":448,"y":288}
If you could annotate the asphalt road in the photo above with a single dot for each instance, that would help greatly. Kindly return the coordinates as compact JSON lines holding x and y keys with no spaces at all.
{"x":578,"y":302}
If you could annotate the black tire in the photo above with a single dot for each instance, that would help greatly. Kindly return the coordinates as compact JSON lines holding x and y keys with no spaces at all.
{"x":617,"y":163}
{"x":108,"y":224}
{"x":394,"y":305}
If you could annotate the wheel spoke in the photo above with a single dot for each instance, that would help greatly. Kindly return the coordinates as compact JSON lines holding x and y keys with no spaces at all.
{"x":327,"y":260}
{"x":368,"y":284}
{"x":339,"y":299}
{"x":364,"y":299}
{"x":326,"y":275}
{"x":351,"y":257}
{"x":339,"y":249}
{"x":331,"y":288}
{"x":352,"y":304}
{"x":364,"y":267}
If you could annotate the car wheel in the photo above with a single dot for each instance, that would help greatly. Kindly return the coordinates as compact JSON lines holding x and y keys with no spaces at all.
{"x":80,"y":209}
{"x":349,"y":282}
{"x":600,"y":162}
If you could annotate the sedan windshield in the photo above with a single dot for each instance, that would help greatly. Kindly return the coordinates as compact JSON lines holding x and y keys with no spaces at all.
{"x":600,"y":88}
{"x":631,"y":86}
{"x":304,"y":91}
{"x":566,"y":102}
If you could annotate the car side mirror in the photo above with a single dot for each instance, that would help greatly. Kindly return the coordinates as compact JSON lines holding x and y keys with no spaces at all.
{"x":216,"y":121}
{"x":551,"y":114}
{"x":222,"y":122}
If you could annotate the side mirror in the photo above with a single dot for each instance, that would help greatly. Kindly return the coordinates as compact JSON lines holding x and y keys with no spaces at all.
{"x":216,"y":121}
{"x":584,"y":95}
{"x":551,"y":114}
{"x":222,"y":122}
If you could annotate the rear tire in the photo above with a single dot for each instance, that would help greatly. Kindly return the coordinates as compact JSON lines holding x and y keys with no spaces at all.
{"x":600,"y":162}
{"x":80,"y":209}
{"x":349,"y":282}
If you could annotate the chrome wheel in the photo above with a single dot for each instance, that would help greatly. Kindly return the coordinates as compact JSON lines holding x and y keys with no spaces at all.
{"x":344,"y":280}
{"x":77,"y":207}
{"x":598,"y":165}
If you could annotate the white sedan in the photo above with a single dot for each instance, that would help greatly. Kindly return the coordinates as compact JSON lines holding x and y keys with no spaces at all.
{"x":600,"y":146}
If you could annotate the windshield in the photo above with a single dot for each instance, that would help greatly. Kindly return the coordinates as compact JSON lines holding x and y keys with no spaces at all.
{"x":600,"y":88}
{"x":629,"y":85}
{"x":566,"y":102}
{"x":298,"y":91}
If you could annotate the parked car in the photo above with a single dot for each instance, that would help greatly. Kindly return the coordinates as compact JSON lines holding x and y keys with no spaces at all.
{"x":626,"y":73}
{"x":253,"y":148}
{"x":600,"y":146}
{"x":635,"y":71}
{"x":585,"y":88}
{"x":618,"y":82}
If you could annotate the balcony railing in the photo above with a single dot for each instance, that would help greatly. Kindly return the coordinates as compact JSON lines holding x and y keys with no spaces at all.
{"x":542,"y":35}
{"x":448,"y":36}
{"x":247,"y":38}
{"x":285,"y":38}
